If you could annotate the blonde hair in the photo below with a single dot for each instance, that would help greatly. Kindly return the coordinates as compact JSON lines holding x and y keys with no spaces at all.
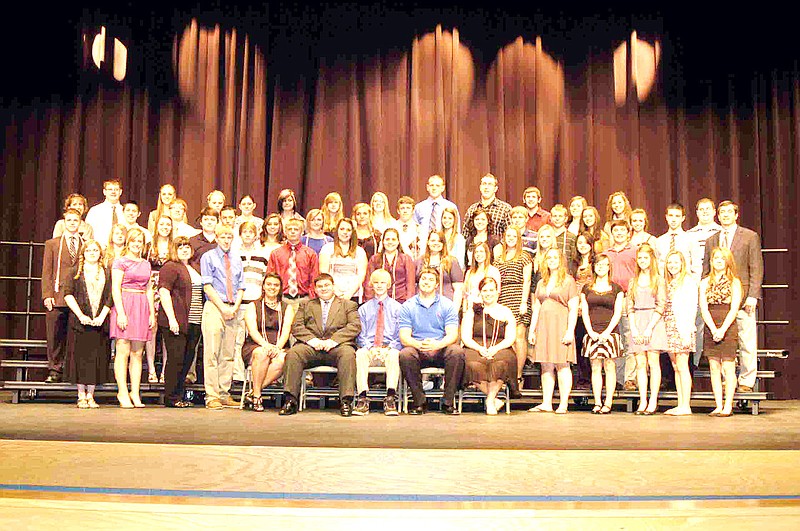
{"x":646,"y":218}
{"x":584,"y":204}
{"x":109,"y":255}
{"x":561,"y":274}
{"x":133,"y":233}
{"x":314,"y":212}
{"x":181,"y":202}
{"x":387,"y":214}
{"x":329,"y":225}
{"x":356,"y":208}
{"x":668,"y":277}
{"x":160,"y":206}
{"x":538,"y":260}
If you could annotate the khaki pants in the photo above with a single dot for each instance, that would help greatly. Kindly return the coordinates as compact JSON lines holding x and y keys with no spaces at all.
{"x":219,"y":338}
{"x":377,"y":357}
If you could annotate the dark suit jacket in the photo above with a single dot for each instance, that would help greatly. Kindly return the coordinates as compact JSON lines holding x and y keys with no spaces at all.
{"x":343,"y":326}
{"x":50,"y":267}
{"x":746,"y":250}
{"x":77,"y":288}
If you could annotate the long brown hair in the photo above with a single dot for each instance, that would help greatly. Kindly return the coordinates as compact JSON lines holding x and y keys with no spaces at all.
{"x":152,"y":253}
{"x":353,"y":246}
{"x":730,"y":272}
{"x":626,"y":214}
{"x":444,"y":258}
{"x":517,"y":248}
{"x":652,"y":271}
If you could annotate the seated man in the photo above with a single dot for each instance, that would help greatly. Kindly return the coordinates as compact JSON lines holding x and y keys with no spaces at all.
{"x":325,"y":329}
{"x":429,"y":333}
{"x":378,"y":343}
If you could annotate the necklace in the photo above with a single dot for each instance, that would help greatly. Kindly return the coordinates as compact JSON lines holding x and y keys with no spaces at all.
{"x":274,"y":305}
{"x":495,"y":331}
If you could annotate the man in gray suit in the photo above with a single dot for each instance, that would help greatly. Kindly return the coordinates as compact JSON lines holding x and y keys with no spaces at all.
{"x":325,"y":329}
{"x":745,"y":245}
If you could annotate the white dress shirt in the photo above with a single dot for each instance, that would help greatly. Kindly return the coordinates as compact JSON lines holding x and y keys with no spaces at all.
{"x":100,"y":219}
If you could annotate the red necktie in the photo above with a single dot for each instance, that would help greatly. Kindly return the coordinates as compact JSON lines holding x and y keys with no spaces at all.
{"x":379,"y":326}
{"x":228,"y":281}
{"x":292,"y":271}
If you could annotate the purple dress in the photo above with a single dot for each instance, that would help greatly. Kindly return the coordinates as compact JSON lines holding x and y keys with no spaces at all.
{"x":134,"y":299}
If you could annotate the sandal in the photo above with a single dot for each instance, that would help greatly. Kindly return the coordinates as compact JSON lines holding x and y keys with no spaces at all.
{"x":83,"y":403}
{"x":92,"y":403}
{"x":596,"y":409}
{"x":605,"y":410}
{"x":152,"y":377}
{"x":539,"y":409}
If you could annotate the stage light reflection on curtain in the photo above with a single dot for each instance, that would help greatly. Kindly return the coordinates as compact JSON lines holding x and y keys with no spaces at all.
{"x":119,"y":63}
{"x":644,"y":62}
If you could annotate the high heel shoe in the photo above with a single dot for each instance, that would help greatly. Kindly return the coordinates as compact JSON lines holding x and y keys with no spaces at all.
{"x":136,"y":401}
{"x":152,"y":377}
{"x":124,"y":401}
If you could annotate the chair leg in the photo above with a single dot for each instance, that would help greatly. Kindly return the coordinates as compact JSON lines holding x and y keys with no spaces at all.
{"x":248,"y":378}
{"x":301,"y":401}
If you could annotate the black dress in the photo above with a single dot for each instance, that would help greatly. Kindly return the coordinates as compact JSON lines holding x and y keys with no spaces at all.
{"x":504,"y":364}
{"x":89,"y":347}
{"x":269,"y":324}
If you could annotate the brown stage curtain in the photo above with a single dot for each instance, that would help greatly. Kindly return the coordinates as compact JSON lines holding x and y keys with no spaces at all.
{"x":387,"y":121}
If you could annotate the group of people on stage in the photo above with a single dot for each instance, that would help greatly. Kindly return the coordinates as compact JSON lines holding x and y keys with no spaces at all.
{"x":480,"y":297}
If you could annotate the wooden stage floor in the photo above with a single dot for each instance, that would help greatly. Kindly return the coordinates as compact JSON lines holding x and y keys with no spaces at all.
{"x":170,"y":468}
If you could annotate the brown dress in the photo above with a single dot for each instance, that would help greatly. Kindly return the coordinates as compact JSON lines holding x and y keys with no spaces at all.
{"x":504,"y":364}
{"x":719,"y":304}
{"x":269,"y":324}
{"x":552,"y":323}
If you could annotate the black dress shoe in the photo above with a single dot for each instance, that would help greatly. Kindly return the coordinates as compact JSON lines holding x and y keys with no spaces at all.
{"x":289,"y":407}
{"x":418,"y":410}
{"x":346,"y":409}
{"x":450,"y":410}
{"x":53,"y":378}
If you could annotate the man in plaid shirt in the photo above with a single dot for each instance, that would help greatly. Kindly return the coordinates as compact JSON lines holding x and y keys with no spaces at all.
{"x":498,"y":210}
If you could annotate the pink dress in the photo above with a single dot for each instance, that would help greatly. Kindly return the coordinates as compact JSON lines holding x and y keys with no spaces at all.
{"x":552,"y":323}
{"x":134,"y":299}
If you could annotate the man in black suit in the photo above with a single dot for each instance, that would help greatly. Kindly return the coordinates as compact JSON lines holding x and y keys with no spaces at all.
{"x":60,"y":258}
{"x":325,"y":329}
{"x":745,"y":245}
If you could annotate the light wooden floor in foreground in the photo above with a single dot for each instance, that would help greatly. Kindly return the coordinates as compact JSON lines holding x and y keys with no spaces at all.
{"x":72,"y":512}
{"x":270,"y":487}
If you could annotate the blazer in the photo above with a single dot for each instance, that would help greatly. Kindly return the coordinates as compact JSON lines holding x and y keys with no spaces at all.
{"x":746,"y":250}
{"x":343,"y":326}
{"x":77,"y":288}
{"x":51,"y":286}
